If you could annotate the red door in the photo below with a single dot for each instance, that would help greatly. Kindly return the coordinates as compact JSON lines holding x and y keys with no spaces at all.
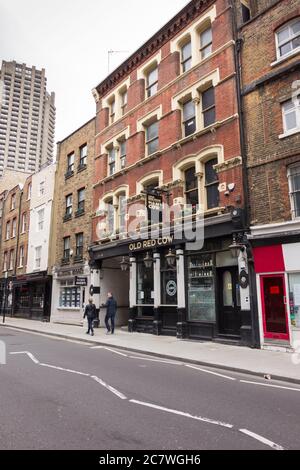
{"x":275,"y":316}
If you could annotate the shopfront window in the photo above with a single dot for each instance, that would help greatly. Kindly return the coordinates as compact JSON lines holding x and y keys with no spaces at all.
{"x":168,"y":282}
{"x":294,"y":295}
{"x":22,"y":297}
{"x":201,"y":288}
{"x":69,"y":295}
{"x":145,"y":283}
{"x":38,"y":292}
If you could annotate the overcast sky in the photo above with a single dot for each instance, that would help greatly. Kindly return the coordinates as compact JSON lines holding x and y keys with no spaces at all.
{"x":71,"y":38}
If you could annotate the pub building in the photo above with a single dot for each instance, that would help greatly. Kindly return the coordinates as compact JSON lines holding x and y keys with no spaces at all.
{"x":166,"y":287}
{"x":168,"y":121}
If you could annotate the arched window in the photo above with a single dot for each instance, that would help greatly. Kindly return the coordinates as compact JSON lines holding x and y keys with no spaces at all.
{"x":122,"y":209}
{"x":211,"y":184}
{"x":191,"y":188}
{"x":288,"y":38}
{"x":110,"y":218}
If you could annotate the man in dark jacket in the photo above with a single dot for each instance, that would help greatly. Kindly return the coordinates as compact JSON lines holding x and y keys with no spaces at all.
{"x":111,"y":311}
{"x":90,"y":313}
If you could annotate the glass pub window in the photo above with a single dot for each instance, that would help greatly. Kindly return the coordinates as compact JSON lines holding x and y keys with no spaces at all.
{"x":208,"y":107}
{"x":191,"y":188}
{"x":206,"y":43}
{"x":189,"y":118}
{"x":152,"y":138}
{"x":152,"y":82}
{"x":211,"y":184}
{"x":201,"y":288}
{"x":186,"y":56}
{"x":294,"y":180}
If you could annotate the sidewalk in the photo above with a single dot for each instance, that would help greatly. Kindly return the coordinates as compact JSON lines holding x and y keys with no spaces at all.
{"x":234,"y":358}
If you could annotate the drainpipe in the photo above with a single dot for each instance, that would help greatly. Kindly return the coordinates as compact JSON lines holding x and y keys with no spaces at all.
{"x":252,"y":275}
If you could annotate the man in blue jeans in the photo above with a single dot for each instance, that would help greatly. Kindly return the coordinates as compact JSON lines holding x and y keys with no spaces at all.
{"x":111,"y":311}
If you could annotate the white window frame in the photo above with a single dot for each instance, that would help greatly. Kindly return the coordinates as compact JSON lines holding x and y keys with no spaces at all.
{"x":144,"y":71}
{"x":291,"y":192}
{"x":24,"y":222}
{"x":40,"y":220}
{"x":42,"y":188}
{"x":115,"y":143}
{"x":5,"y":261}
{"x":194,"y":31}
{"x":11,"y":260}
{"x":38,"y":260}
{"x":14,"y":228}
{"x":296,"y":110}
{"x":293,"y":51}
{"x":7,"y":230}
{"x":21,"y":256}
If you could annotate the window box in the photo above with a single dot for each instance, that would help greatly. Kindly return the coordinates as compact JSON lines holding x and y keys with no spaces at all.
{"x":65,"y":261}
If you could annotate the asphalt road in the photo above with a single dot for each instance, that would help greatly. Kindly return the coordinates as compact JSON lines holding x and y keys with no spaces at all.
{"x":56,"y":394}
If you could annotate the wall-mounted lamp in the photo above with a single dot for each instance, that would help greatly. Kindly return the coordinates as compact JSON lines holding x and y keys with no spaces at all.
{"x":125,"y":265}
{"x":148,"y":260}
{"x":171,"y":258}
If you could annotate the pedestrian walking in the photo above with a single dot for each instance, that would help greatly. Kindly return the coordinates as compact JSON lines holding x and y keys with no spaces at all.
{"x":90,"y":313}
{"x":111,"y":311}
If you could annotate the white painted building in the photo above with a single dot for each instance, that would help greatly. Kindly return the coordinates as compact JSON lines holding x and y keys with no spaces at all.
{"x":40,"y":219}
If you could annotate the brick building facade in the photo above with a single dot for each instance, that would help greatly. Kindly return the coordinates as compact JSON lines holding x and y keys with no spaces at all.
{"x":270,"y":96}
{"x":15,"y":216}
{"x":71,"y":234}
{"x":168,"y":131}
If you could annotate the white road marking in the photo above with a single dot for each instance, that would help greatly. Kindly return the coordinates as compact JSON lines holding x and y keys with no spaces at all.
{"x":269,"y":385}
{"x":97,"y":347}
{"x":65,"y":370}
{"x":155,"y":360}
{"x":116,"y":352}
{"x":34,"y":359}
{"x":120,"y":395}
{"x":210,"y":372}
{"x":181,"y":413}
{"x":108,"y":387}
{"x":262,"y":439}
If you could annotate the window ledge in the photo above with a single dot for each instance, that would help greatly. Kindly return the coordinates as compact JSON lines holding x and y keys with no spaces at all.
{"x":289,"y":133}
{"x":81,"y":168}
{"x":286,"y":57}
{"x":69,"y":174}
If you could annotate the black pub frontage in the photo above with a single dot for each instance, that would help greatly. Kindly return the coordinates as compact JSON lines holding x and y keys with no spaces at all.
{"x":27,"y":296}
{"x":169,"y":287}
